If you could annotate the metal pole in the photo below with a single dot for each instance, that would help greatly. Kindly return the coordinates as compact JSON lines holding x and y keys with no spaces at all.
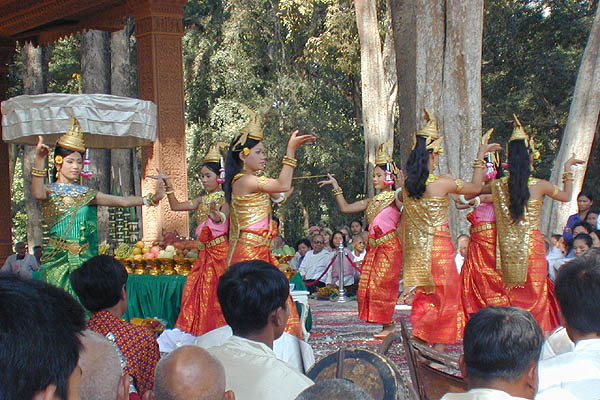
{"x":342,"y":292}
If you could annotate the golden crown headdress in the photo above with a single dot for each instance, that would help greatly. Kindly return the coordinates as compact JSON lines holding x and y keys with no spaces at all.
{"x":215,"y":153}
{"x":252,"y":130}
{"x":384,"y":156}
{"x":73,"y":139}
{"x":520,"y":134}
{"x":431,"y":133}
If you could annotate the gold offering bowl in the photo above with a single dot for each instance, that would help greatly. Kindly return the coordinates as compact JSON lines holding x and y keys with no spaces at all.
{"x":139,"y":267}
{"x":154,"y":267}
{"x":167,"y":265}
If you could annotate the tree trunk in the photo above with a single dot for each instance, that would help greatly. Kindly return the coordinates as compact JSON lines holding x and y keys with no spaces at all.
{"x":378,"y":82}
{"x":95,"y":74}
{"x":34,"y":82}
{"x":579,"y":132}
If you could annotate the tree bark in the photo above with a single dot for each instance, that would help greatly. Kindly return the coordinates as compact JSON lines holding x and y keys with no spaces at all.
{"x":579,"y":132}
{"x":95,"y":76}
{"x":34,"y":82}
{"x":378,"y":82}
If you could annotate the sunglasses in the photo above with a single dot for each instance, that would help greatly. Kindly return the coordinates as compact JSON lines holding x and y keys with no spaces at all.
{"x":319,"y":242}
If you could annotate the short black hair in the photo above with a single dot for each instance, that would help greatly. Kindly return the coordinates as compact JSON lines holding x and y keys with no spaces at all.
{"x":31,"y":310}
{"x":577,"y":289}
{"x":248,"y":292}
{"x":98,"y":282}
{"x":357,"y":220}
{"x":585,"y":237}
{"x":500,"y":343}
{"x":304,"y":241}
{"x":587,"y":226}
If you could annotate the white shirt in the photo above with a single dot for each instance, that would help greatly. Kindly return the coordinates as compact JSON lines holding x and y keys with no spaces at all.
{"x":23,"y":267}
{"x":577,"y":372}
{"x":253,"y":371}
{"x":480,"y":394}
{"x":314,"y":265}
{"x":557,"y":343}
{"x":459,"y":260}
{"x":358,"y":258}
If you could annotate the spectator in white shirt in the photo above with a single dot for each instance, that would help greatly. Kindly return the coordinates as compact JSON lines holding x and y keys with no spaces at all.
{"x":315,"y":263}
{"x":359,"y":243}
{"x":461,"y":251}
{"x":22,"y":263}
{"x":577,"y":290}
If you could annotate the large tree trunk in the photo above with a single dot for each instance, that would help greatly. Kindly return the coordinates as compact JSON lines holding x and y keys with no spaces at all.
{"x":95,"y":74}
{"x":34,"y":82}
{"x":378,"y":82}
{"x":579,"y":131}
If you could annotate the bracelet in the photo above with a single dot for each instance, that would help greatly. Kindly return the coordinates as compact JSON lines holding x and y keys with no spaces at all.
{"x":555,"y":190}
{"x":459,"y":185}
{"x":40,"y":173}
{"x":567,"y":176}
{"x":398,"y":191}
{"x":148,"y":200}
{"x":169,"y":188}
{"x":280,"y":199}
{"x":478,"y":163}
{"x":337,"y":191}
{"x":476,"y":202}
{"x":262,"y":181}
{"x":170,"y":191}
{"x":461,"y":198}
{"x":292,"y":162}
{"x":223,"y":216}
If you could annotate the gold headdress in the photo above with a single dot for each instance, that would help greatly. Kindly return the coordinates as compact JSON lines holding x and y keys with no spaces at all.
{"x":215,"y":153}
{"x":252,"y":130}
{"x":384,"y":153}
{"x":520,"y":134}
{"x":431,"y":133}
{"x":73,"y":139}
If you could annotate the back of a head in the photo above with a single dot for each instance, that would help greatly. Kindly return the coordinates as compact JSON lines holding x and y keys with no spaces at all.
{"x":100,"y":368}
{"x":248,"y":292}
{"x":50,"y":317}
{"x":577,"y":289}
{"x":500,"y":343}
{"x":334,"y":389}
{"x":98,"y":282}
{"x":189,"y":373}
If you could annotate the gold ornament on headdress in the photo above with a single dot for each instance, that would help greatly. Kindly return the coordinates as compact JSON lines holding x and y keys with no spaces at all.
{"x":215,"y":153}
{"x":520,"y":134}
{"x":431,"y":133}
{"x":252,"y":130}
{"x":73,"y":139}
{"x":384,"y":153}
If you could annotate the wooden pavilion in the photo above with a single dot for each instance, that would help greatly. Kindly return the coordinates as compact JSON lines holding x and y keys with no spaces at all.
{"x":158,"y":31}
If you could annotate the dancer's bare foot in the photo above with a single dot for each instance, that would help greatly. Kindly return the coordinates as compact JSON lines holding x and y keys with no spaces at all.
{"x":441,"y":347}
{"x":387,"y":329}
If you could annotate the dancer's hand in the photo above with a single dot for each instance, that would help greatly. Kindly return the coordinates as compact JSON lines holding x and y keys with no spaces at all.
{"x":214,"y":213}
{"x":41,"y":150}
{"x":330,"y":181}
{"x":297,"y":140}
{"x":160,"y":191}
{"x":572,"y":161}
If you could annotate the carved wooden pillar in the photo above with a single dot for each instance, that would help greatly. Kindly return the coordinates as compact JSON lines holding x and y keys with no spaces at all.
{"x":159,"y":29}
{"x":7,"y":47}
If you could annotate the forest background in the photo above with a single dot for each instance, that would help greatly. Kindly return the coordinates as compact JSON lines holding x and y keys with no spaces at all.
{"x":299,"y":62}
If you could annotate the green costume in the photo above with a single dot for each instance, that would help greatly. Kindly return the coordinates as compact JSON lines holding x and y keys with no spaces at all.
{"x":72,"y":229}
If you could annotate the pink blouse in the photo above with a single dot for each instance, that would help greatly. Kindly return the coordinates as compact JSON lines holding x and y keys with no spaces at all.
{"x":386,"y":220}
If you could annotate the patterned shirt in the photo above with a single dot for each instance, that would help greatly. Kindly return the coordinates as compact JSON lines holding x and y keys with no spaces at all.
{"x":137,"y":344}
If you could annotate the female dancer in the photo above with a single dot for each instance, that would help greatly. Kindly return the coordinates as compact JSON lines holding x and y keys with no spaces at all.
{"x":200,"y":310}
{"x":518,"y":204}
{"x":69,"y":209}
{"x":251,"y":228}
{"x":437,"y":314}
{"x":381,"y":268}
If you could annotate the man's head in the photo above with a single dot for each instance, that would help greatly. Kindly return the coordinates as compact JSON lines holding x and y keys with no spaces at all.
{"x":592,"y":216}
{"x":577,"y":289}
{"x":356,"y":227}
{"x":101,"y":371}
{"x":100,"y":283}
{"x":318,"y":242}
{"x":20,"y":249}
{"x":38,"y":251}
{"x":462,"y":243}
{"x":501,"y":349}
{"x":190,"y":373}
{"x":39,"y":340}
{"x":253,"y":296}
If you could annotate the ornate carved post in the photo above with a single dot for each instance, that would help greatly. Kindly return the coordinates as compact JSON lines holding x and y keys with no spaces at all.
{"x":7,"y":47}
{"x":159,"y":29}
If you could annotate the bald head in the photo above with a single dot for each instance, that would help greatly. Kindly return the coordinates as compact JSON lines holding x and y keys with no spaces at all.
{"x":189,"y":373}
{"x":100,"y":368}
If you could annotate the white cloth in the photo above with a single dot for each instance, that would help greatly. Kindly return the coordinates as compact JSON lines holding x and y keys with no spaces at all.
{"x":23,"y":267}
{"x":555,"y":259}
{"x":360,"y":257}
{"x":314,"y":265}
{"x":557,"y":343}
{"x":480,"y":394}
{"x":459,"y":260}
{"x":253,"y":371}
{"x":577,"y":372}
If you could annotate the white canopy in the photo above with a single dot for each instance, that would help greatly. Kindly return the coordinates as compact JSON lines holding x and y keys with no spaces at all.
{"x":107,"y":121}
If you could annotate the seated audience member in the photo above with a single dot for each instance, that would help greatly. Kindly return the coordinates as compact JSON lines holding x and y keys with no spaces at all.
{"x":278,"y":242}
{"x":101,"y":372}
{"x":579,"y":228}
{"x":595,"y":235}
{"x":592,"y":217}
{"x":327,"y":233}
{"x":356,"y":227}
{"x":346,"y":231}
{"x":557,"y":343}
{"x":253,"y":297}
{"x":462,"y":243}
{"x":501,"y":350}
{"x":39,"y":340}
{"x":100,"y":284}
{"x":38,"y":252}
{"x":315,"y":263}
{"x":334,"y":389}
{"x":190,"y":372}
{"x":22,"y":263}
{"x":334,"y":271}
{"x":577,"y":290}
{"x":582,"y":243}
{"x":359,"y":243}
{"x":302,"y":247}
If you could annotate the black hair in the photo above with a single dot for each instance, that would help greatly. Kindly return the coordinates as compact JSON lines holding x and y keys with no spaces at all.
{"x":63,"y":152}
{"x":276,"y":220}
{"x":587,"y":194}
{"x":358,"y":220}
{"x":577,"y":289}
{"x":331,"y":239}
{"x":585,"y":237}
{"x":304,"y":241}
{"x":98,"y":282}
{"x":519,"y":168}
{"x":39,"y":343}
{"x":213,"y":166}
{"x":233,"y":164}
{"x":585,"y":225}
{"x":249,"y":292}
{"x":501,"y":342}
{"x":417,"y":170}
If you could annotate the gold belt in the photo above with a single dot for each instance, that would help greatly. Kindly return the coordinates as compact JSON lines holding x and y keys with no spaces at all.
{"x":483,"y":227}
{"x":253,"y":237}
{"x":381,"y":240}
{"x":214,"y":242}
{"x":72,"y":248}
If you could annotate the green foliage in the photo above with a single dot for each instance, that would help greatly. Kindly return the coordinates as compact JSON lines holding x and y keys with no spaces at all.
{"x":17,"y":203}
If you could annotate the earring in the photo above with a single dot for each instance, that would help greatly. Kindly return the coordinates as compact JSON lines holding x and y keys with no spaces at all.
{"x":243,"y":165}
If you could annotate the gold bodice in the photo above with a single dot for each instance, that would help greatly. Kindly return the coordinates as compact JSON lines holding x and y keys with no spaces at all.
{"x":204,"y":206}
{"x":63,"y":200}
{"x":248,"y":209}
{"x":378,"y":203}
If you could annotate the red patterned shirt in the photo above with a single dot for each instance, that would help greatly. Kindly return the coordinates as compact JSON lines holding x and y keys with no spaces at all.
{"x":138,"y":345}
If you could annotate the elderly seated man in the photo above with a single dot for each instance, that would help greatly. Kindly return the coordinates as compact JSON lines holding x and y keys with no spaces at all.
{"x":315,"y":263}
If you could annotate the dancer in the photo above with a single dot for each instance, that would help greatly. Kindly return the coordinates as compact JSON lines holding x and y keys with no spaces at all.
{"x":381,"y":268}
{"x":69,"y":209}
{"x":518,"y":205}
{"x":251,"y":228}
{"x":437,"y":315}
{"x":200,"y":310}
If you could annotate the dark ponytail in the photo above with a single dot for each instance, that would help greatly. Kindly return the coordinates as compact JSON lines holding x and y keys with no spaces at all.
{"x":63,"y":152}
{"x":417,"y":170}
{"x":519,"y":168}
{"x":233,"y":164}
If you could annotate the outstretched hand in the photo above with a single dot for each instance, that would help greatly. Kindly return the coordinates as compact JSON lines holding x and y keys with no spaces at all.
{"x":572,"y":161}
{"x":330,"y":181}
{"x":297,"y":140}
{"x":41,"y":150}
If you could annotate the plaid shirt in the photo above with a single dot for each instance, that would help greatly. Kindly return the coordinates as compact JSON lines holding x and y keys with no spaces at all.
{"x":137,"y":344}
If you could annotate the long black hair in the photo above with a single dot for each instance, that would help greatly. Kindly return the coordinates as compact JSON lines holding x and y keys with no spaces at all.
{"x":519,"y":168}
{"x":417,"y":169}
{"x":63,"y":152}
{"x":233,"y":163}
